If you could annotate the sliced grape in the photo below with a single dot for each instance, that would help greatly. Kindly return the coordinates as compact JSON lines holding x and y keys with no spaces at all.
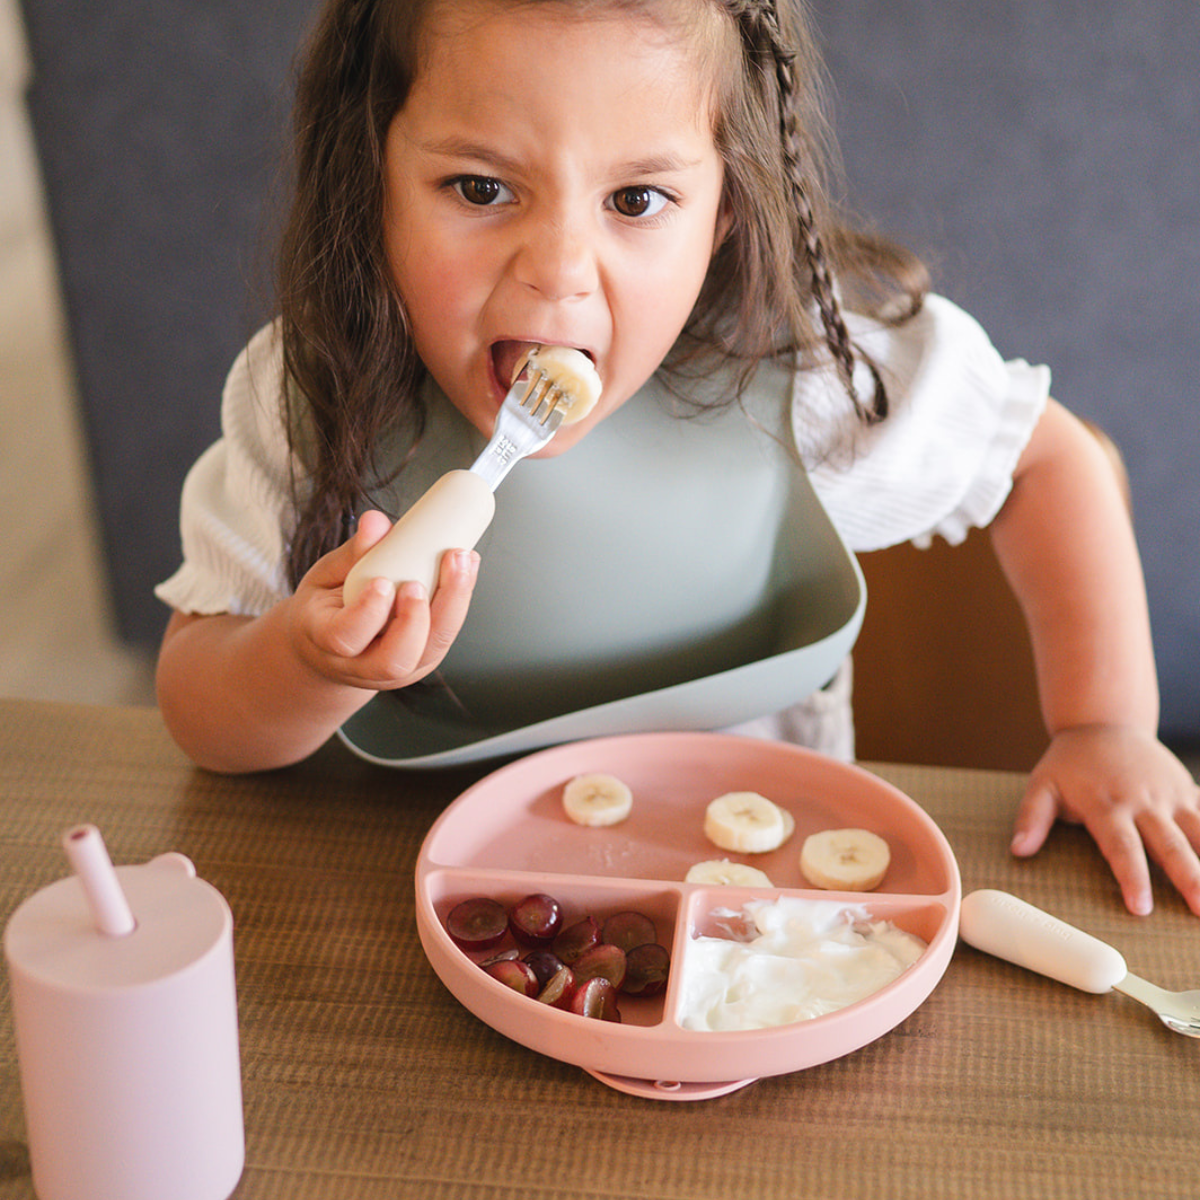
{"x":576,"y":939}
{"x":545,"y":964}
{"x":628,"y":929}
{"x":478,"y":923}
{"x":646,"y":970}
{"x":514,"y":974}
{"x":559,"y":989}
{"x":604,"y":961}
{"x":500,"y":956}
{"x":535,"y":920}
{"x":596,"y":998}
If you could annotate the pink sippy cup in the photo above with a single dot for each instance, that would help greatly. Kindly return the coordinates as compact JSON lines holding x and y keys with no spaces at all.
{"x":126,"y":1027}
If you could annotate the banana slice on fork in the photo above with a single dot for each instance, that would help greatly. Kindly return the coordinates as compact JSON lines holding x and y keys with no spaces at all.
{"x":570,"y":372}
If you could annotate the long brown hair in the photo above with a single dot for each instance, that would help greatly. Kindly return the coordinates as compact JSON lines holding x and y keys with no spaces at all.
{"x":351,"y":373}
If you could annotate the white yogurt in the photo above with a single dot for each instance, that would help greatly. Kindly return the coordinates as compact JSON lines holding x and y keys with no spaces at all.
{"x":808,"y":958}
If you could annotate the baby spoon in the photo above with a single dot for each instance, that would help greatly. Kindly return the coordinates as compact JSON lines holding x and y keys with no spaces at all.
{"x":1000,"y":924}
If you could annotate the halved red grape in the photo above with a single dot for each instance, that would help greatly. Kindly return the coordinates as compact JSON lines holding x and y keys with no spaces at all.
{"x":646,"y":970}
{"x":535,"y":920}
{"x":514,"y":974}
{"x":604,"y":961}
{"x":500,"y":956}
{"x":596,"y":998}
{"x":576,"y":939}
{"x":478,"y":923}
{"x":580,"y":968}
{"x":628,"y":929}
{"x":559,"y":989}
{"x":545,"y":964}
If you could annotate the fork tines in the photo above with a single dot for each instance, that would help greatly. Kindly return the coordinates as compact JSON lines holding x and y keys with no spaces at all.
{"x":541,"y":396}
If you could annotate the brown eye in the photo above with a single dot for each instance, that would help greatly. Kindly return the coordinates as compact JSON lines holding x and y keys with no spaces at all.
{"x":479,"y":189}
{"x":632,"y":202}
{"x":639,"y":201}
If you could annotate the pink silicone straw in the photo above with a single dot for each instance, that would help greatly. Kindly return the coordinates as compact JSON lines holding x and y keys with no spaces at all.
{"x":88,"y":856}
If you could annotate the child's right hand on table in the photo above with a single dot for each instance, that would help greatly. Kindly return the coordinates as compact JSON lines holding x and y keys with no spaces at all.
{"x":389,"y":637}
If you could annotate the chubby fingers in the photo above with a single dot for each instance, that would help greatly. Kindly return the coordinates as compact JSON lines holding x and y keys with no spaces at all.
{"x":1158,"y":821}
{"x":343,"y":632}
{"x":1120,"y":841}
{"x":420,"y":631}
{"x":378,"y":641}
{"x":339,"y":633}
{"x":456,"y":584}
{"x":1116,"y":836}
{"x":389,"y":636}
{"x":1136,"y":799}
{"x":1173,"y":843}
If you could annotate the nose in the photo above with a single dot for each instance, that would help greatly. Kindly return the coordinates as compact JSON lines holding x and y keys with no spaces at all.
{"x":557,"y":259}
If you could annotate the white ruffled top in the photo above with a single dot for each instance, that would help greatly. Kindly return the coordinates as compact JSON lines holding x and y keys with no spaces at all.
{"x":943,"y":461}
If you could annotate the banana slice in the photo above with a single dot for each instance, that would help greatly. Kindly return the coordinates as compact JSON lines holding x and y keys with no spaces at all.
{"x":789,"y":823}
{"x":597,"y":799}
{"x":746,"y":823}
{"x":723,"y":873}
{"x":852,"y":860}
{"x":572,"y":372}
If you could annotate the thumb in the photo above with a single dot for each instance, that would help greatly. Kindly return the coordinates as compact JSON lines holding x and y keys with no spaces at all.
{"x":331,"y":569}
{"x":1035,"y":818}
{"x":372,"y":526}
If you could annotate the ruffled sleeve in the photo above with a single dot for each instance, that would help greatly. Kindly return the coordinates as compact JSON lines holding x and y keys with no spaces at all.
{"x":943,"y":460}
{"x":237,"y":506}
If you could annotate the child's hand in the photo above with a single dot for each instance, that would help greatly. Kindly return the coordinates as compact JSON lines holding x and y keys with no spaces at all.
{"x":1133,"y":795}
{"x":389,"y":638}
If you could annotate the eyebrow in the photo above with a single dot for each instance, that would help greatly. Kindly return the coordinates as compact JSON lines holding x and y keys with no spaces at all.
{"x":462,"y":148}
{"x":654,"y":164}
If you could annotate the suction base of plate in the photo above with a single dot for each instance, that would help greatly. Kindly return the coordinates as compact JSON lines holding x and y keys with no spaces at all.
{"x":661,"y":1089}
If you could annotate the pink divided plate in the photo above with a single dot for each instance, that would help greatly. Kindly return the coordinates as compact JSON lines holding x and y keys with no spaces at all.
{"x":507,"y":836}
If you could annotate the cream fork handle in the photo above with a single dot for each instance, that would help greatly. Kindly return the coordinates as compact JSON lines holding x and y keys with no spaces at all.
{"x":1016,"y":931}
{"x":451,"y":515}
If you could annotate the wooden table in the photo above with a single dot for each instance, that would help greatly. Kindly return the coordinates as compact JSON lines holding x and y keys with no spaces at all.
{"x":365,"y":1078}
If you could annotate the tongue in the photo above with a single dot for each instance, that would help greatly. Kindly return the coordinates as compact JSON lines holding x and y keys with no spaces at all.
{"x":505,"y":356}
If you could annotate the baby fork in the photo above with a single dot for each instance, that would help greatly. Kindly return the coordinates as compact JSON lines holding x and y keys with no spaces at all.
{"x":1000,"y":924}
{"x":552,"y":383}
{"x":529,"y":417}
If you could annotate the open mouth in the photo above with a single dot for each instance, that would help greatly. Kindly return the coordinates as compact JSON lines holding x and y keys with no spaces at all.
{"x":506,"y":355}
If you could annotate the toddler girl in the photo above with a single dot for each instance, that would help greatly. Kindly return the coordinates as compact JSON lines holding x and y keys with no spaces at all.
{"x":641,"y":180}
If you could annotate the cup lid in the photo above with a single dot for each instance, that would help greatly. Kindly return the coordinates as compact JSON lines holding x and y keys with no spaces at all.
{"x":53,"y":938}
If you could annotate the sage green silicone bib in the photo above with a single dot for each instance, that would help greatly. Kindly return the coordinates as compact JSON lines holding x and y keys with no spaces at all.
{"x":674,"y":570}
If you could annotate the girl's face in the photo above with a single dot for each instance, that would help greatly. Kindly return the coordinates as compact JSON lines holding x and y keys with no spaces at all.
{"x":550,"y":179}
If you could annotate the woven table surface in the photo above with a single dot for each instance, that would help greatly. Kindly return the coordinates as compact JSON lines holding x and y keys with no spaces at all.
{"x":364,"y":1077}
